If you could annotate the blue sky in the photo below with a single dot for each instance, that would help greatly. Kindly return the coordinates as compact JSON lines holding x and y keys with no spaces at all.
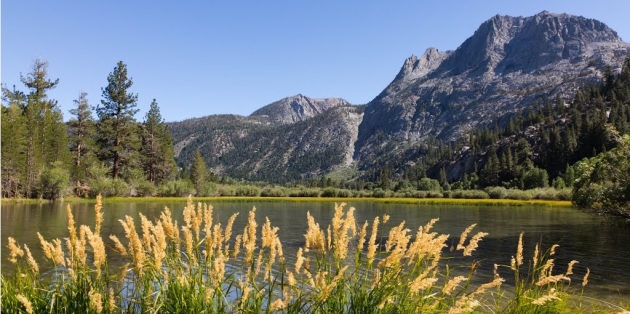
{"x":214,"y":57}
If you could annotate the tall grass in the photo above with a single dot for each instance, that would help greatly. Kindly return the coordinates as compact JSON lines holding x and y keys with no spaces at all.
{"x":203,"y":266}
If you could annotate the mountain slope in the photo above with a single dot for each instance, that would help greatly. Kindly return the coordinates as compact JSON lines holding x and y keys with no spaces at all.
{"x":508,"y":64}
{"x":269,"y":146}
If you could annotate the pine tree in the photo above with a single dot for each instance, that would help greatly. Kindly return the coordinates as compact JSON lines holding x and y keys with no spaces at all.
{"x":13,"y":160}
{"x":46,"y":137}
{"x":198,"y":170}
{"x":157,"y":147}
{"x":117,"y":130}
{"x":489,"y":175}
{"x":81,"y":129}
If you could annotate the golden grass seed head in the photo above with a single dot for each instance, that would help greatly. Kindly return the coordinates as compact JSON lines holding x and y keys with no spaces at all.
{"x":474,"y":243}
{"x":71,"y":228}
{"x":299,"y":261}
{"x":552,"y":250}
{"x":385,"y":218}
{"x":462,"y":238}
{"x":249,"y":236}
{"x":546,"y":298}
{"x":585,"y":279}
{"x":28,"y":307}
{"x":277,"y":305}
{"x":362,"y":235}
{"x":237,"y":246}
{"x":519,"y":251}
{"x":372,"y":245}
{"x":15,"y":250}
{"x":453,"y":283}
{"x":111,"y":300}
{"x":30,"y":260}
{"x":570,"y":268}
{"x":58,"y":254}
{"x":96,"y":301}
{"x":229,"y":226}
{"x":551,"y":279}
{"x":98,"y":214}
{"x":535,"y":258}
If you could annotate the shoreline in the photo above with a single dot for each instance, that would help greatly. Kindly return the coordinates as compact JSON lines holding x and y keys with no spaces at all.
{"x":249,"y":199}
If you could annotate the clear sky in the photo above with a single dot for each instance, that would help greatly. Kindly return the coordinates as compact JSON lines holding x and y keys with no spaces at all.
{"x":199,"y":58}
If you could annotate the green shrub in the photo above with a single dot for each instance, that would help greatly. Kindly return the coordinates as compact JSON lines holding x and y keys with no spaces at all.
{"x":516,"y":194}
{"x":176,"y":188}
{"x":273,"y":192}
{"x":470,"y":194}
{"x":145,"y":188}
{"x":496,"y":192}
{"x":329,"y":192}
{"x":247,"y":190}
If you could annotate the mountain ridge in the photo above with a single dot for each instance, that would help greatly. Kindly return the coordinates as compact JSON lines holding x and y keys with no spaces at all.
{"x":507,"y":65}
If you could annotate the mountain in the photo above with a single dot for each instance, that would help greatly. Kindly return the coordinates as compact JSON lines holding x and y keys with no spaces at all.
{"x":294,"y":138}
{"x":508,"y":64}
{"x":297,"y":108}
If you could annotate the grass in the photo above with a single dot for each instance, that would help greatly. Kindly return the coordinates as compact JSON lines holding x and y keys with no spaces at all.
{"x":347,"y":267}
{"x":393,"y":200}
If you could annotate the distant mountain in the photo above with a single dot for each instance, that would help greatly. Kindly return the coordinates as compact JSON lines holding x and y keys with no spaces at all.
{"x":294,"y":138}
{"x":508,"y":65}
{"x":298,"y":108}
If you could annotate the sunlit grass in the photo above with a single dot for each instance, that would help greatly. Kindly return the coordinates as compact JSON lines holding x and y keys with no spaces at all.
{"x":393,"y":200}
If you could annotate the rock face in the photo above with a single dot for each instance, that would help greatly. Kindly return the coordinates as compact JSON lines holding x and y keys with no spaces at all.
{"x":506,"y":65}
{"x":297,"y":108}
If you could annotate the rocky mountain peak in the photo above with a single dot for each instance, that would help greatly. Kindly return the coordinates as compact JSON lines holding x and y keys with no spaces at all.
{"x":415,"y":67}
{"x":505,"y":43}
{"x":297,"y":108}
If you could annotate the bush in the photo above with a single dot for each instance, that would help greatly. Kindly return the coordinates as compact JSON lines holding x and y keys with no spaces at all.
{"x":226,"y":190}
{"x":145,"y":188}
{"x":207,"y":189}
{"x":496,"y":192}
{"x":247,"y":190}
{"x":471,"y":194}
{"x":329,"y":192}
{"x":426,"y":184}
{"x":516,"y":194}
{"x":344,"y":193}
{"x":55,"y":181}
{"x":545,"y":194}
{"x":273,"y":192}
{"x":380,"y":193}
{"x":176,"y":188}
{"x":306,"y":193}
{"x":120,"y":188}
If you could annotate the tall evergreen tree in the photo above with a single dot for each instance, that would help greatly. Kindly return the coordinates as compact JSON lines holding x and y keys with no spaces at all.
{"x":157,"y":147}
{"x":117,"y":130}
{"x":45,"y":132}
{"x":81,"y":129}
{"x":198,"y":171}
{"x":13,"y":161}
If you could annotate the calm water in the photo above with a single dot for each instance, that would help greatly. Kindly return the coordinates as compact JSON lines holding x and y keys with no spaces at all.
{"x":592,"y":240}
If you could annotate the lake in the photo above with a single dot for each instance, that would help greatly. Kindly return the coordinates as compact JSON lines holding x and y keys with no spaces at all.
{"x":594,"y":241}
